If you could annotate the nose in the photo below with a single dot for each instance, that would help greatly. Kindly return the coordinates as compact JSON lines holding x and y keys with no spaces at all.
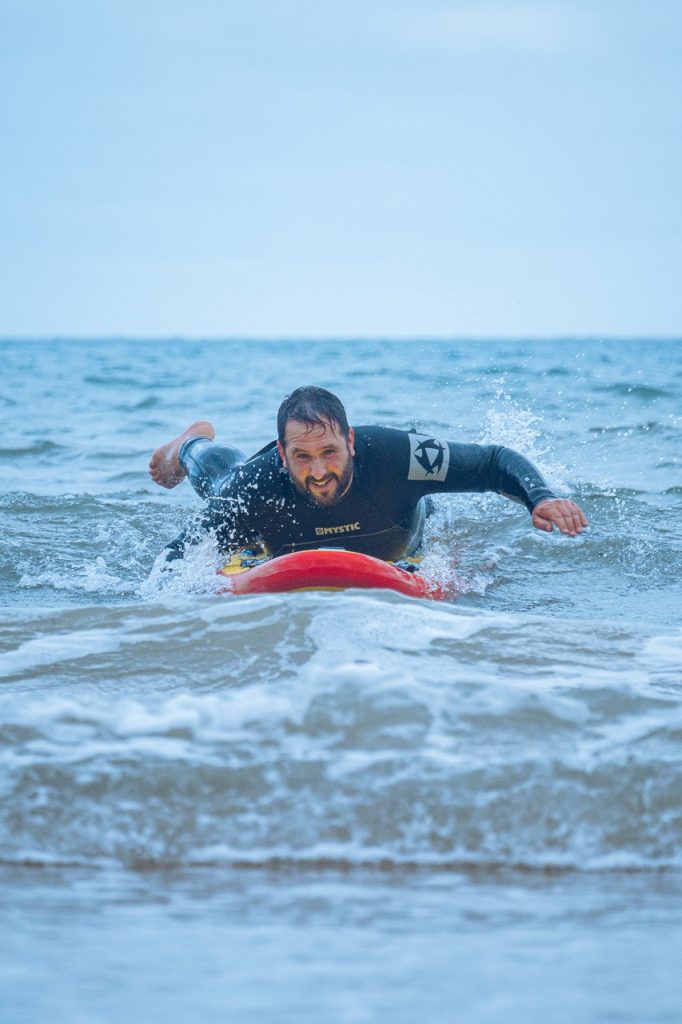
{"x":318,"y":468}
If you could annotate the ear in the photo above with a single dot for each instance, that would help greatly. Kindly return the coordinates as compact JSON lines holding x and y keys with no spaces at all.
{"x":280,"y":449}
{"x":351,"y":440}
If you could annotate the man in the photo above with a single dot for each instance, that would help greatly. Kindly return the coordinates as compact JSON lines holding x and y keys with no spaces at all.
{"x":324,"y":484}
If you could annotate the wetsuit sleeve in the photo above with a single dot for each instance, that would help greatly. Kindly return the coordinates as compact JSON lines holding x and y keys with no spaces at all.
{"x":475,"y":467}
{"x":434,"y":466}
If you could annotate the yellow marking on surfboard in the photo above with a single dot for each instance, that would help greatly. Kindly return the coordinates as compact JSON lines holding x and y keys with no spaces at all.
{"x":234,"y":566}
{"x":300,"y":590}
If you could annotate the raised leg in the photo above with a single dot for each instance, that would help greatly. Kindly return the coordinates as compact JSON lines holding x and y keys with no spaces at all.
{"x":208,"y":465}
{"x":164,"y":466}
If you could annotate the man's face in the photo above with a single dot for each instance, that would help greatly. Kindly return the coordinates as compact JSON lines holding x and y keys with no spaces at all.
{"x":319,"y":460}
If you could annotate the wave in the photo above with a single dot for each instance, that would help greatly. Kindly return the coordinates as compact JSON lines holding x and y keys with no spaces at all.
{"x":644,"y":391}
{"x":41,"y":446}
{"x":628,"y":429}
{"x":366,"y":730}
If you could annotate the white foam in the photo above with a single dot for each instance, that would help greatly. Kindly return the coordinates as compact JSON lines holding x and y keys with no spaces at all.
{"x":509,"y":423}
{"x":194,"y":573}
{"x":666,"y":648}
{"x":58,"y":648}
{"x":204,"y":717}
{"x":388,"y":857}
{"x":629,"y":733}
{"x":404,"y":626}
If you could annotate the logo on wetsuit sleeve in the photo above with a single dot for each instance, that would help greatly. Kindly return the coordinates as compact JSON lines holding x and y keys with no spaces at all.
{"x":429,"y":458}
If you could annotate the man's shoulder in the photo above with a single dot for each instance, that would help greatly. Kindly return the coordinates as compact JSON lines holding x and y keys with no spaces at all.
{"x":375,"y":437}
{"x":383,"y":452}
{"x":266,"y":456}
{"x":263,"y":468}
{"x":402,"y":441}
{"x":416,"y":456}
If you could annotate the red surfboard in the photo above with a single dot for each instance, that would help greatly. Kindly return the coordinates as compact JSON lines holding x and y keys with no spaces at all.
{"x":326,"y":569}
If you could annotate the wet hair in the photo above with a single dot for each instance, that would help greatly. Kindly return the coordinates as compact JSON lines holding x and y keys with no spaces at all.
{"x":314,"y":406}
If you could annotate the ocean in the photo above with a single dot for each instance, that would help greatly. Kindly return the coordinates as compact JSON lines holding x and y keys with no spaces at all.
{"x":353,"y":807}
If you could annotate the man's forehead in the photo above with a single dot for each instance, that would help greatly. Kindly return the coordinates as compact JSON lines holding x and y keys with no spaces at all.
{"x":300,"y":433}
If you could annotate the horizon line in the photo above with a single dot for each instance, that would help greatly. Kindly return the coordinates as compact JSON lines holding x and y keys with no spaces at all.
{"x":332,"y":338}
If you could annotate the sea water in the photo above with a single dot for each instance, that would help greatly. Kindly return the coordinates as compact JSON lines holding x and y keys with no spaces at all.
{"x":341,"y":807}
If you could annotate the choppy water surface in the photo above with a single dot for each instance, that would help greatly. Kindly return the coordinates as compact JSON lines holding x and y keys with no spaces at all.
{"x":341,"y":807}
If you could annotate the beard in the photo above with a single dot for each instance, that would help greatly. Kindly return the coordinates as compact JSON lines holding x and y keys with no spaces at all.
{"x":331,"y":497}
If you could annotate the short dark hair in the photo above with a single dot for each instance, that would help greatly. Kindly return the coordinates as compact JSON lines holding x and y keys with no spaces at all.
{"x":313,"y":406}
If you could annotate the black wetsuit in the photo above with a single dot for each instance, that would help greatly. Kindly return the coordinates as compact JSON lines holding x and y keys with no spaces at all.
{"x":382,"y":514}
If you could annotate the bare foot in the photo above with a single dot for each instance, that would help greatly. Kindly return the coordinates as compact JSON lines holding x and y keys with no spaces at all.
{"x":164,"y":467}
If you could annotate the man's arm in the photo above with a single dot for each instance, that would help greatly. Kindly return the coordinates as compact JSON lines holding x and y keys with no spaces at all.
{"x":445,"y":467}
{"x":220,"y":517}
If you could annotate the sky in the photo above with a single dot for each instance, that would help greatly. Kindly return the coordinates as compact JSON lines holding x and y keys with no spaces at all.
{"x":341,"y":168}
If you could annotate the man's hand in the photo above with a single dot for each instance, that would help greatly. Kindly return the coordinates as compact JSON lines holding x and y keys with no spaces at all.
{"x":565,"y":515}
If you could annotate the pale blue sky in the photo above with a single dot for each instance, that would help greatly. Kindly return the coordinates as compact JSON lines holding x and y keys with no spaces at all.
{"x":301,"y":168}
